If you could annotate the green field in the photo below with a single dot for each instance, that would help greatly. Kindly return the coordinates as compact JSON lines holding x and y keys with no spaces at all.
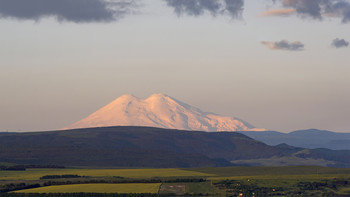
{"x":283,"y":170}
{"x":35,"y":174}
{"x":190,"y":188}
{"x":219,"y":181}
{"x":201,"y":188}
{"x":98,"y":188}
{"x":345,"y":191}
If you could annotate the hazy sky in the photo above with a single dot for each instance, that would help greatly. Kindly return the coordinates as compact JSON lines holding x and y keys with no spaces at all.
{"x":281,"y":65}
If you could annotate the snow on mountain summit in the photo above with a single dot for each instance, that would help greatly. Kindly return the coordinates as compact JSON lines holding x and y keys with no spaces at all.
{"x":159,"y":110}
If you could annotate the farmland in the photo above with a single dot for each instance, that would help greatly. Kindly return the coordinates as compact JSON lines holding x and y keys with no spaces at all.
{"x":35,"y":174}
{"x":98,"y":188}
{"x":227,"y":181}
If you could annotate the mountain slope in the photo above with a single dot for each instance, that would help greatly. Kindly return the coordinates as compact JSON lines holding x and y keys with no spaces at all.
{"x":311,"y":138}
{"x":132,"y":147}
{"x":159,"y":110}
{"x":152,"y":147}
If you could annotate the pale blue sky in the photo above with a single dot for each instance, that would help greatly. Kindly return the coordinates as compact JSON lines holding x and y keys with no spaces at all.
{"x":53,"y":73}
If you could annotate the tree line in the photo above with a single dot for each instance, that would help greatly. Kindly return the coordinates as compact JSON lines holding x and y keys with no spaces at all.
{"x":20,"y":186}
{"x":24,"y":167}
{"x":64,"y":176}
{"x":178,"y":180}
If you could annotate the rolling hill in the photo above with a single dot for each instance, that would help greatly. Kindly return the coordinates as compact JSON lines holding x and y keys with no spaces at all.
{"x":149,"y":147}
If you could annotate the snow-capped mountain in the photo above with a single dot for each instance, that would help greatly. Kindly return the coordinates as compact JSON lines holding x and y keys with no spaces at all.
{"x":160,"y":110}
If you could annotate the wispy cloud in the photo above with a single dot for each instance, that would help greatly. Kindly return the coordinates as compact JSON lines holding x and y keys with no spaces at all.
{"x":340,"y":43}
{"x":233,"y":8}
{"x":318,"y":9}
{"x":284,"y":45}
{"x":279,"y":12}
{"x":78,"y":11}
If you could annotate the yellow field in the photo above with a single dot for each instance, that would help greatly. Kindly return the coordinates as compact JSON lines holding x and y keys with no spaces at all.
{"x":35,"y":174}
{"x":98,"y":188}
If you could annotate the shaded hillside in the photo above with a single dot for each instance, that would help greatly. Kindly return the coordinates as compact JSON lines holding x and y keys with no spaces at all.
{"x":311,"y":138}
{"x":130,"y":146}
{"x":146,"y":147}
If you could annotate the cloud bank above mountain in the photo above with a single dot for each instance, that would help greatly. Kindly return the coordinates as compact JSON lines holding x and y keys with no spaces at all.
{"x":233,"y":8}
{"x":77,"y":11}
{"x":85,"y":11}
{"x":318,"y":9}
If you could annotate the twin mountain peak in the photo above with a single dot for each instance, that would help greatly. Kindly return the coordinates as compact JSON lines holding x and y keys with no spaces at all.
{"x":160,"y":110}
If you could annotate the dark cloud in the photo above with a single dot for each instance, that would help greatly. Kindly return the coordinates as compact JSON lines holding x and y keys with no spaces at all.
{"x":78,"y":11}
{"x":339,"y":43}
{"x":318,"y":9}
{"x":194,"y":7}
{"x":339,"y":9}
{"x":305,"y":7}
{"x":234,"y":8}
{"x":284,"y":45}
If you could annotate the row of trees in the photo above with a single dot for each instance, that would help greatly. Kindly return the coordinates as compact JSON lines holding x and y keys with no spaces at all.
{"x":12,"y":168}
{"x":13,"y":187}
{"x":64,"y":176}
{"x":24,"y":167}
{"x":68,"y":182}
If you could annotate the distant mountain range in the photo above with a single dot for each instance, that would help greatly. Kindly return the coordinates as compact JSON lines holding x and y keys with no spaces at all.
{"x":163,"y":111}
{"x":123,"y":134}
{"x":311,"y":138}
{"x":160,"y":110}
{"x":155,"y":147}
